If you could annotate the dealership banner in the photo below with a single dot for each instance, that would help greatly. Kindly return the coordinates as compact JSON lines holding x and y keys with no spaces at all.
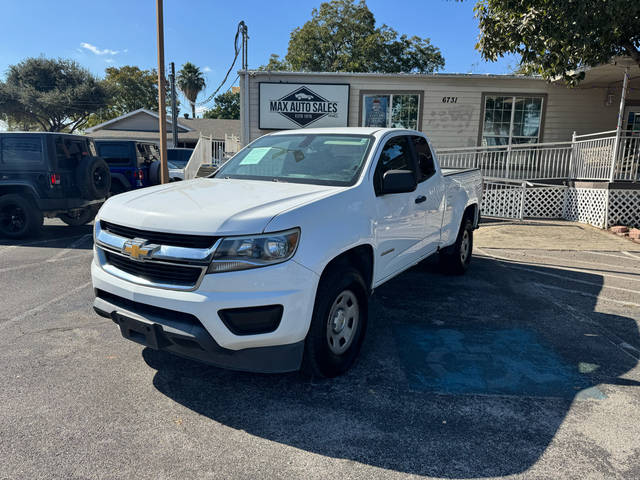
{"x":300,"y":105}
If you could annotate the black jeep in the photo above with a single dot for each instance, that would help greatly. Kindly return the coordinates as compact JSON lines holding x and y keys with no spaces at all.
{"x":52,"y":175}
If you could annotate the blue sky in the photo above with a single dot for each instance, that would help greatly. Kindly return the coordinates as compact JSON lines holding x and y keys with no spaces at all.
{"x":116,"y":32}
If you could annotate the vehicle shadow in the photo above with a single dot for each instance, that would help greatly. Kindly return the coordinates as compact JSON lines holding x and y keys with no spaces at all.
{"x":459,"y":377}
{"x":55,"y":234}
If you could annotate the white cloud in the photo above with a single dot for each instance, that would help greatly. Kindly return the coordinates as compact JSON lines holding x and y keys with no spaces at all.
{"x":97,"y":51}
{"x":108,"y":60}
{"x":206,"y":69}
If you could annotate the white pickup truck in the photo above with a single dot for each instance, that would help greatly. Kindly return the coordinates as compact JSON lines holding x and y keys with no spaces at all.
{"x":268,"y":265}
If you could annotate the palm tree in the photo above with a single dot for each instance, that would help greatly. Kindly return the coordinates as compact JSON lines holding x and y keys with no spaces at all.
{"x":191,"y":81}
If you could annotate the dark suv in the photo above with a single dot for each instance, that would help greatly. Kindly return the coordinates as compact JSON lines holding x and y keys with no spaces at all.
{"x":133,"y":164}
{"x":52,"y":175}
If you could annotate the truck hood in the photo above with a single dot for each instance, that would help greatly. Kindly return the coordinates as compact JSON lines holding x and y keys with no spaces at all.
{"x":209,"y":206}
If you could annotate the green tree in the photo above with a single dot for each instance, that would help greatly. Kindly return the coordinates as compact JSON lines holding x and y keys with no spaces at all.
{"x":342,"y":37}
{"x":276,"y":64}
{"x":557,"y":38}
{"x":227,"y":105}
{"x":51,"y":95}
{"x":130,"y":88}
{"x":191,"y":82}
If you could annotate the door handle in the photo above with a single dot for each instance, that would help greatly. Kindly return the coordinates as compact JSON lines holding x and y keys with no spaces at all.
{"x":421,"y":199}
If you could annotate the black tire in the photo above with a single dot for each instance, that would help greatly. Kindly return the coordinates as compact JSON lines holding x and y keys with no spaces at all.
{"x":154,"y":173}
{"x":80,"y":216}
{"x":19,"y":217}
{"x":93,"y":178}
{"x":322,"y":355}
{"x":456,"y":258}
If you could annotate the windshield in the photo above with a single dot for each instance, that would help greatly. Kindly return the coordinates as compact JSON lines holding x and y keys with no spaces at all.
{"x":325,"y":159}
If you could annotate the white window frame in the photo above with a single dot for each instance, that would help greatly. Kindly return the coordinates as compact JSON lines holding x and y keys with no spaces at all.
{"x":513,"y":96}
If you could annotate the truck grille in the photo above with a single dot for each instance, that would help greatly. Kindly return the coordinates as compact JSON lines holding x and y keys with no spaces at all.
{"x":154,"y":271}
{"x":173,"y":239}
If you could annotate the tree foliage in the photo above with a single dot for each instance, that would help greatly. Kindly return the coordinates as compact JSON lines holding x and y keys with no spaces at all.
{"x":191,"y":82}
{"x":276,"y":64}
{"x":130,"y":88}
{"x":342,"y":37}
{"x":557,"y":37}
{"x":227,"y":105}
{"x":53,"y":95}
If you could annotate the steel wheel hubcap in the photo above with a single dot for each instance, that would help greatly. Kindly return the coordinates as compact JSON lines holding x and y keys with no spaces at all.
{"x":342,"y":322}
{"x":464,"y":246}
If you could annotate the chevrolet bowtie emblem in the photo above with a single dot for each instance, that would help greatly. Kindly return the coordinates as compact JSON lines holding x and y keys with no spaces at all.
{"x":139,"y":249}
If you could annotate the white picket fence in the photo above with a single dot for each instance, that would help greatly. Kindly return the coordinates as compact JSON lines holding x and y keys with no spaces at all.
{"x":586,"y":157}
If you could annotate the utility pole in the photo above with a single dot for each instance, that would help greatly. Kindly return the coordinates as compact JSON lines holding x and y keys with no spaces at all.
{"x":174,"y":112}
{"x":245,"y":68}
{"x":162,"y":92}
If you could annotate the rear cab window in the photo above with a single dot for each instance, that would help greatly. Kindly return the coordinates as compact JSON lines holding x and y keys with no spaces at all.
{"x":21,"y":152}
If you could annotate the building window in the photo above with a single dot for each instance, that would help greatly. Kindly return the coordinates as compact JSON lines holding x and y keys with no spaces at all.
{"x":511,"y":119}
{"x":399,"y":110}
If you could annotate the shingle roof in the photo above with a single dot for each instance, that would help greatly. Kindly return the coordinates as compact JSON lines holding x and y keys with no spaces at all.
{"x":216,"y":127}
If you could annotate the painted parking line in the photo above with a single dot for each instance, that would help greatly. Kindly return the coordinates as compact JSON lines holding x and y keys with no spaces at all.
{"x":510,"y":264}
{"x":613,"y":254}
{"x":73,"y":246}
{"x":557,"y":258}
{"x":629,"y":254}
{"x":39,"y":264}
{"x":6,"y":248}
{"x":42,"y":306}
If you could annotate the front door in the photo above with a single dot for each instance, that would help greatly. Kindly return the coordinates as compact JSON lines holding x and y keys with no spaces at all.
{"x":400,"y":227}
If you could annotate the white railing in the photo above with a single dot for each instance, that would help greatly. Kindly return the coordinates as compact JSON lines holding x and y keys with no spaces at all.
{"x":202,"y":154}
{"x":586,"y":157}
{"x":628,"y":164}
{"x":218,"y":150}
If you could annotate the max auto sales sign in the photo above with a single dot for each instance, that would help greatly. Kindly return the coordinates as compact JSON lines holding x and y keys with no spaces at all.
{"x":300,"y":105}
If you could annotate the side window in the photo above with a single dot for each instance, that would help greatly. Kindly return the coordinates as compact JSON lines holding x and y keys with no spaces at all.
{"x":115,"y":153}
{"x":21,"y":151}
{"x":396,"y":155}
{"x":425,"y":158}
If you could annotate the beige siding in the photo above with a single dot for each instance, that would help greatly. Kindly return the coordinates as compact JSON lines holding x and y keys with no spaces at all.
{"x":457,"y":124}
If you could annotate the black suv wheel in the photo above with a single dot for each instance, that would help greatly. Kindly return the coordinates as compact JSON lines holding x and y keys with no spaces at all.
{"x":93,"y":178}
{"x":19,"y":217}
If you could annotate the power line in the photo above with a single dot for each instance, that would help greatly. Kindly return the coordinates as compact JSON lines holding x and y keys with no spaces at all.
{"x":239,"y":31}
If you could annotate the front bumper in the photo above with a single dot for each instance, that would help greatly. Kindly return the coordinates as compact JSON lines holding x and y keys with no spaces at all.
{"x":207,"y":338}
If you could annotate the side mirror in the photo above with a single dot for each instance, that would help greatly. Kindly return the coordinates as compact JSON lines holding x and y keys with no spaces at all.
{"x":398,"y":181}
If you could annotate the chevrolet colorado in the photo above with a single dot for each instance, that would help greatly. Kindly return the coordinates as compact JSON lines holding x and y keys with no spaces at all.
{"x":267,"y":266}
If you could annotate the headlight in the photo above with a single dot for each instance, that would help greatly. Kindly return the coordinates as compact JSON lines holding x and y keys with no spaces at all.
{"x":241,"y":253}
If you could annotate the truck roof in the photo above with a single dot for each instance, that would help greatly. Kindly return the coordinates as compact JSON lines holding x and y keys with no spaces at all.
{"x":377,"y":131}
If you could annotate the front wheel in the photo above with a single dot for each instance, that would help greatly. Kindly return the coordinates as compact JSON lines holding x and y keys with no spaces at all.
{"x":456,"y":258}
{"x":338,"y":325}
{"x":80,"y":216}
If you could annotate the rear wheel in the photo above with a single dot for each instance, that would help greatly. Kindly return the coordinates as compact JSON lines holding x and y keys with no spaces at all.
{"x":338,"y":325}
{"x":79,"y":216}
{"x":456,"y":258}
{"x":19,"y":217}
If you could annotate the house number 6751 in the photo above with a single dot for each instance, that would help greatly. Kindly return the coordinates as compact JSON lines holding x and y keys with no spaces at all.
{"x":449,"y":99}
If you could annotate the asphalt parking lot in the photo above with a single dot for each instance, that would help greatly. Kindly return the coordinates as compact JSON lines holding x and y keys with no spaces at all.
{"x":525,"y":367}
